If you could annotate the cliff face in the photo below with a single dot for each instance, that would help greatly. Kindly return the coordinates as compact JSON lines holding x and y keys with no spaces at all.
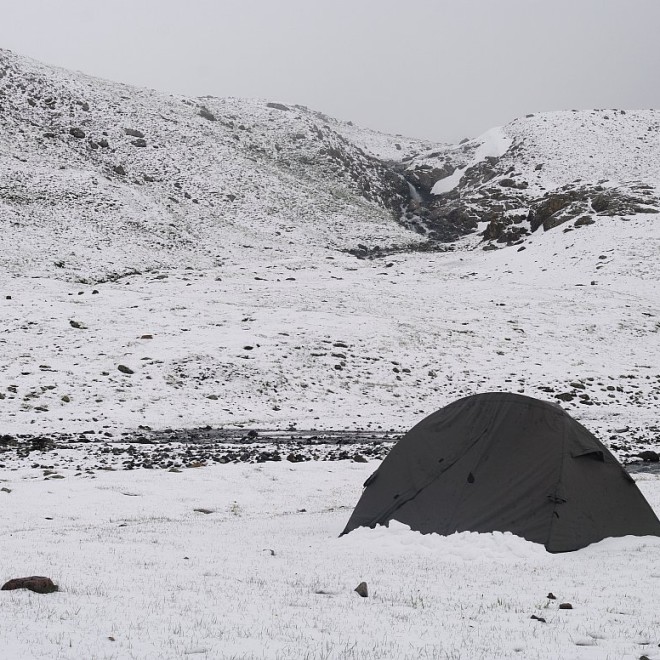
{"x":563,"y":168}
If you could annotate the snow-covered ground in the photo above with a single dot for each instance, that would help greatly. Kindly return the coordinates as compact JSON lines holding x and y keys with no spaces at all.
{"x":324,"y":340}
{"x":258,"y":571}
{"x":209,"y":285}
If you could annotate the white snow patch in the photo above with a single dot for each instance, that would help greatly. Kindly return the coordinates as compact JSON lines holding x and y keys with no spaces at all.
{"x":461,"y":546}
{"x":493,"y":143}
{"x":449,"y":182}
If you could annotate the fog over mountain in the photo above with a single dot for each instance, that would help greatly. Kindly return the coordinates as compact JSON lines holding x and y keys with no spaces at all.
{"x":437,"y":70}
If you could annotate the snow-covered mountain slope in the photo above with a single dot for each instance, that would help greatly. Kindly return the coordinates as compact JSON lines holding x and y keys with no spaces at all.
{"x":209,"y":265}
{"x":542,"y":171}
{"x":99,"y":178}
{"x":345,"y":342}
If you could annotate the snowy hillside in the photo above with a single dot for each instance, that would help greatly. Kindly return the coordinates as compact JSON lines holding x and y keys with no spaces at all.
{"x":542,"y":171}
{"x":211,"y":265}
{"x":98,"y":178}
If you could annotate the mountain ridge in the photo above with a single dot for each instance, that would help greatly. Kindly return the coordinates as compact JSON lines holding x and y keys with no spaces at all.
{"x":91,"y":163}
{"x":173,"y":171}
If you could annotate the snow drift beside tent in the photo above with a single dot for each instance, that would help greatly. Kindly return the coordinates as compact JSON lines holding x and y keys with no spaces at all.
{"x":505,"y":462}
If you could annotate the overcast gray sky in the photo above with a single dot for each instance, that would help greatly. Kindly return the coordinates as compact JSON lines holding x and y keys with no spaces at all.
{"x":428,"y":68}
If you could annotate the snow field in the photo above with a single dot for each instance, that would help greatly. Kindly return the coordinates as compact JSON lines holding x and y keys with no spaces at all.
{"x":263,"y":575}
{"x":340,"y":342}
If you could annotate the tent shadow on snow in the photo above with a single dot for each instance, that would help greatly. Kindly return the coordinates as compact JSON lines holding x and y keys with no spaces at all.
{"x":509,"y":463}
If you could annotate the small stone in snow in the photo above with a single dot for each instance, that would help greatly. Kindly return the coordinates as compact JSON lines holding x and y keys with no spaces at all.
{"x":36,"y":583}
{"x":565,"y":606}
{"x":551,"y":596}
{"x":124,"y":369}
{"x":362,"y":590}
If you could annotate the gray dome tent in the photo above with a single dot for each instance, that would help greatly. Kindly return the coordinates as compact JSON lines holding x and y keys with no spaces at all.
{"x":505,"y":462}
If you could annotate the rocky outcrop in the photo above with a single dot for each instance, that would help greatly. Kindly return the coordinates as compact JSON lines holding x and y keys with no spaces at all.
{"x":532,"y":185}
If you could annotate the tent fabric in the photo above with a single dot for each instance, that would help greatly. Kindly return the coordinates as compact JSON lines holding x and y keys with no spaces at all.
{"x":510,"y":463}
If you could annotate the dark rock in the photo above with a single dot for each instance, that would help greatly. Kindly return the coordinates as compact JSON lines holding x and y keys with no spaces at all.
{"x":119,"y":169}
{"x":584,"y":220}
{"x":543,"y":211}
{"x":425,"y":177}
{"x":124,"y":369}
{"x":36,"y":583}
{"x":507,"y":183}
{"x":277,"y":106}
{"x":77,"y":133}
{"x":139,"y":143}
{"x":538,"y":618}
{"x":600,"y":203}
{"x":133,"y":132}
{"x":565,"y":606}
{"x":362,"y":590}
{"x":565,"y":396}
{"x":205,"y":113}
{"x":551,"y":596}
{"x":103,"y":143}
{"x":649,"y":456}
